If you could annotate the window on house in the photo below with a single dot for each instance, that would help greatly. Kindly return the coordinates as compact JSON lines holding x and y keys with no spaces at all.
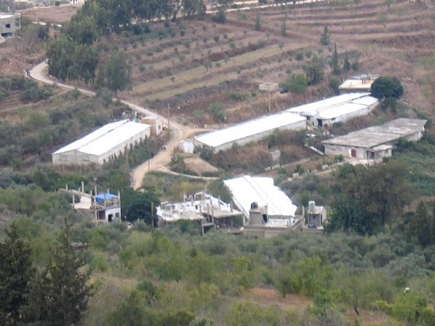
{"x":333,"y":119}
{"x":85,"y":158}
{"x":63,"y":158}
{"x":8,"y":25}
{"x":17,"y":22}
{"x":117,"y":215}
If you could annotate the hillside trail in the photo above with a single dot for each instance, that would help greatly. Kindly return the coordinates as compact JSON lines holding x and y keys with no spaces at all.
{"x":161,"y":160}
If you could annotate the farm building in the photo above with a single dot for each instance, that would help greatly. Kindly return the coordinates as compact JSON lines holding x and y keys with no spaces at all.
{"x":336,"y":109}
{"x":360,"y":83}
{"x":250,"y":131}
{"x":260,"y":193}
{"x":103,"y":144}
{"x":9,"y":24}
{"x":377,"y":142}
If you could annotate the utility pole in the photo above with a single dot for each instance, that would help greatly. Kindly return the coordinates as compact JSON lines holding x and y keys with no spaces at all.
{"x":152,"y":214}
{"x":169,"y":118}
{"x":268,"y":91}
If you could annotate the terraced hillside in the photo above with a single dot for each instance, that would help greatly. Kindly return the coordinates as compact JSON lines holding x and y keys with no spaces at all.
{"x":191,"y":64}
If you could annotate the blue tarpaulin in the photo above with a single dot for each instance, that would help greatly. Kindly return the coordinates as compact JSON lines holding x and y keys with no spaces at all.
{"x":100,"y":197}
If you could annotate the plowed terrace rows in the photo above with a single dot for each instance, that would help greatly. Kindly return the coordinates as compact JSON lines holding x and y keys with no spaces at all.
{"x":389,"y":41}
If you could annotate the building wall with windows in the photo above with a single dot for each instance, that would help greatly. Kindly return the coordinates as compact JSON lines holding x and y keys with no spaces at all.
{"x":9,"y":24}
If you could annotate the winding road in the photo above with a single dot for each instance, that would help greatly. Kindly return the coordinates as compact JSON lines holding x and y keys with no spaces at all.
{"x":160,"y":161}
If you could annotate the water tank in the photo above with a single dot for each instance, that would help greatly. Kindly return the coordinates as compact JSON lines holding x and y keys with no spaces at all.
{"x":254,"y":205}
{"x":311,"y":206}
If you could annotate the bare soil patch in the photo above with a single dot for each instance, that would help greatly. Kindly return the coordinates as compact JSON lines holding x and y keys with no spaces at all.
{"x":53,"y":14}
{"x":198,"y":165}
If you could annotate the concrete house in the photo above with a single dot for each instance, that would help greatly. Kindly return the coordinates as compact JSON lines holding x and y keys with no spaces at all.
{"x":361,"y":83}
{"x":103,"y":144}
{"x":9,"y":24}
{"x":377,"y":142}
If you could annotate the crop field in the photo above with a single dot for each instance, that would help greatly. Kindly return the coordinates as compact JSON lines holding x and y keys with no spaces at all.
{"x":190,"y":64}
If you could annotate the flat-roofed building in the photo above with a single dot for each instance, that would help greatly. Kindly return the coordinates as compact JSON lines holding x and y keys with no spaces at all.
{"x":360,"y":83}
{"x":10,"y":23}
{"x":249,"y":131}
{"x":105,"y":143}
{"x":375,"y":143}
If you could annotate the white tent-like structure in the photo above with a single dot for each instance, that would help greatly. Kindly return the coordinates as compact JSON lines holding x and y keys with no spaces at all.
{"x":261,"y":190}
{"x":103,"y":144}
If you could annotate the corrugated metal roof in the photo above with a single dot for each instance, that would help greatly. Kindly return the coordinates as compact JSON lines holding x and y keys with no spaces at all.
{"x":248,"y":128}
{"x":246,"y":190}
{"x":105,"y":138}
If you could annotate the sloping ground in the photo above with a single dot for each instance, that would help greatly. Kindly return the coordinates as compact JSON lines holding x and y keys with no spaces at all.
{"x":187,"y":70}
{"x":198,"y":165}
{"x":53,"y":14}
{"x":271,"y":297}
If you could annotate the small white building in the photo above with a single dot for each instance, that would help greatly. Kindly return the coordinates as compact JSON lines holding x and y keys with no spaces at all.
{"x":9,"y":24}
{"x":360,"y":83}
{"x":250,"y":131}
{"x":105,"y":143}
{"x":377,"y":142}
{"x":335,"y":109}
{"x":155,"y":122}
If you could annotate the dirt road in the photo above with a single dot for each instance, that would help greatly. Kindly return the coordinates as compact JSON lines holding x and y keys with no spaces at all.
{"x":158,"y":162}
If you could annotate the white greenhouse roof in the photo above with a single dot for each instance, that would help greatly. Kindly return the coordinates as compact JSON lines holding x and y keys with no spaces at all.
{"x":246,"y":190}
{"x":105,"y":138}
{"x":339,"y":110}
{"x":248,"y":128}
{"x":319,"y":105}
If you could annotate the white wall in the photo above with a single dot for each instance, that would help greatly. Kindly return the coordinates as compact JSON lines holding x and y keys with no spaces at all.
{"x":76,"y":157}
{"x":260,"y":136}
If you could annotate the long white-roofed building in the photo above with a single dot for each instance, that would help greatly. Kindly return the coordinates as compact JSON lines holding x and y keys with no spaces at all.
{"x":249,"y":131}
{"x":336,"y":109}
{"x":105,"y":143}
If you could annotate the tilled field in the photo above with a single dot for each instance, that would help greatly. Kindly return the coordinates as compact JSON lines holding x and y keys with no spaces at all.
{"x":204,"y":62}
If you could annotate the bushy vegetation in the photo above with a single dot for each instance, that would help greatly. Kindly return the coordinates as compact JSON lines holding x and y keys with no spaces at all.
{"x":28,"y":89}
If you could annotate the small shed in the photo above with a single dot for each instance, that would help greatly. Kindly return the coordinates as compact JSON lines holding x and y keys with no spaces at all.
{"x":316,"y":215}
{"x":155,"y":122}
{"x":186,"y":146}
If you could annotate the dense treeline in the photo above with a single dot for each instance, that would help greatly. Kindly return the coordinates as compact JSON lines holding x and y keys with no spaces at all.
{"x":176,"y":277}
{"x":36,"y":132}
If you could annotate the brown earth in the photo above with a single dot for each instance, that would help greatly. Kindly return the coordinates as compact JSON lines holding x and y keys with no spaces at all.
{"x":53,"y":14}
{"x":198,"y":165}
{"x":271,"y":297}
{"x":392,"y":40}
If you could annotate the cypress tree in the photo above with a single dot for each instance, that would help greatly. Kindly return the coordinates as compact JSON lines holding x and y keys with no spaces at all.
{"x":324,"y":39}
{"x":346,"y":64}
{"x":59,"y":293}
{"x":432,"y":226}
{"x":334,"y":62}
{"x":15,"y":274}
{"x":420,"y":226}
